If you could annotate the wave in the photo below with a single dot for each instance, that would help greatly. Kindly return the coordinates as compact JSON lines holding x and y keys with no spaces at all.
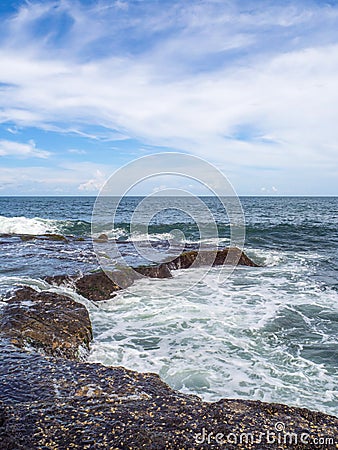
{"x":261,"y":235}
{"x":39,"y":226}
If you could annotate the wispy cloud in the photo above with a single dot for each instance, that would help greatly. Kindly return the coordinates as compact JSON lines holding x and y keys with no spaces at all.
{"x":242,"y":83}
{"x":77,"y":151}
{"x":67,"y":178}
{"x":21,"y":150}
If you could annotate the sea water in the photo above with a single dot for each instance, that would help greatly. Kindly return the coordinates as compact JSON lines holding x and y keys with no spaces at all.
{"x":267,"y":333}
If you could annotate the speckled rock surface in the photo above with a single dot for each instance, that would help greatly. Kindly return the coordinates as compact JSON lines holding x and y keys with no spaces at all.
{"x":53,"y":323}
{"x":48,"y":403}
{"x":94,"y":286}
{"x":229,"y":255}
{"x":161,"y":271}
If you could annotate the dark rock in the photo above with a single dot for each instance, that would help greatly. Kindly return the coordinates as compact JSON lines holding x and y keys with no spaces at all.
{"x":102,"y":238}
{"x":99,"y":286}
{"x":96,"y":286}
{"x":27,"y":237}
{"x":46,"y":237}
{"x":61,"y":280}
{"x":61,"y":404}
{"x":48,"y":403}
{"x":55,"y":237}
{"x":229,"y":256}
{"x":93,"y":286}
{"x":233,"y":256}
{"x":161,"y":271}
{"x":10,"y":438}
{"x":53,"y":323}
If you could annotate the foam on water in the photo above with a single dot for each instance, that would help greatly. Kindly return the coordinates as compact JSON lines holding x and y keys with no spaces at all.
{"x":244,"y":338}
{"x":40,"y":226}
{"x":9,"y":283}
{"x":268,"y":333}
{"x":24,"y":225}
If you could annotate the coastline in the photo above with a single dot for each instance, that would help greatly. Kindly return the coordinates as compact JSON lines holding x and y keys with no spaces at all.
{"x":58,"y":401}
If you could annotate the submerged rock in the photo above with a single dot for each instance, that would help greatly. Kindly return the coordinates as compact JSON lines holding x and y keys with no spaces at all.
{"x":53,"y":323}
{"x":44,"y":237}
{"x":61,"y":404}
{"x":102,"y":238}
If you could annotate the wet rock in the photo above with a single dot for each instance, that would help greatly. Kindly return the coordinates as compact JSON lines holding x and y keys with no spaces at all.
{"x":96,"y":286}
{"x":93,"y":286}
{"x":161,"y":271}
{"x":102,"y":238}
{"x":44,"y":237}
{"x":228,"y":256}
{"x":55,"y":237}
{"x":27,"y":237}
{"x":101,"y":285}
{"x":10,"y":439}
{"x":61,"y":404}
{"x":53,"y":323}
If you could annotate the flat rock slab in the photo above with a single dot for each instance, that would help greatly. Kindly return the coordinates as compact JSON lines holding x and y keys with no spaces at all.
{"x":53,"y":323}
{"x":59,"y":404}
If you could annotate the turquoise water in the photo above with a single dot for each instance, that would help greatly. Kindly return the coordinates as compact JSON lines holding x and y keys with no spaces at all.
{"x":266,"y":333}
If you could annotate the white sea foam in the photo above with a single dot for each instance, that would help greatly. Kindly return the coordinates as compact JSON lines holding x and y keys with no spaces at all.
{"x":235,"y":339}
{"x":24,"y":225}
{"x":10,"y":281}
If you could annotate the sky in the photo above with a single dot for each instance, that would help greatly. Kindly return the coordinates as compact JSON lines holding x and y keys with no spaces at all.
{"x":88,"y":86}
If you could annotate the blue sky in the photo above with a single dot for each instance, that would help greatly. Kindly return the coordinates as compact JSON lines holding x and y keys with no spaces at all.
{"x":88,"y":86}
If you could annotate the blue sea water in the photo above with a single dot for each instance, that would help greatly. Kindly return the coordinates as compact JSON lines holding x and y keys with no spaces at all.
{"x":267,"y":333}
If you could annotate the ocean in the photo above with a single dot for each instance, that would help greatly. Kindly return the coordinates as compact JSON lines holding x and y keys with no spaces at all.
{"x":268,"y":333}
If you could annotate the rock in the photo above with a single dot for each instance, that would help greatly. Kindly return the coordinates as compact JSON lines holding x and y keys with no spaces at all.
{"x":102,"y":238}
{"x":52,"y":323}
{"x":233,"y":256}
{"x":161,"y":271}
{"x":27,"y":237}
{"x":46,"y":237}
{"x":61,"y":280}
{"x":55,"y":237}
{"x":96,"y":286}
{"x":230,"y":255}
{"x":64,"y":404}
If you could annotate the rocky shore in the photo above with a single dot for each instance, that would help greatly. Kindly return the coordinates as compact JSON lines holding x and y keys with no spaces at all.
{"x":51,"y":399}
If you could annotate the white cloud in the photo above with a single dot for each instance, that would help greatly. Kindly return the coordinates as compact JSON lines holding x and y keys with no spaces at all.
{"x":191,"y":91}
{"x":93,"y":184}
{"x":77,"y":151}
{"x":64,"y":179}
{"x":19,"y":149}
